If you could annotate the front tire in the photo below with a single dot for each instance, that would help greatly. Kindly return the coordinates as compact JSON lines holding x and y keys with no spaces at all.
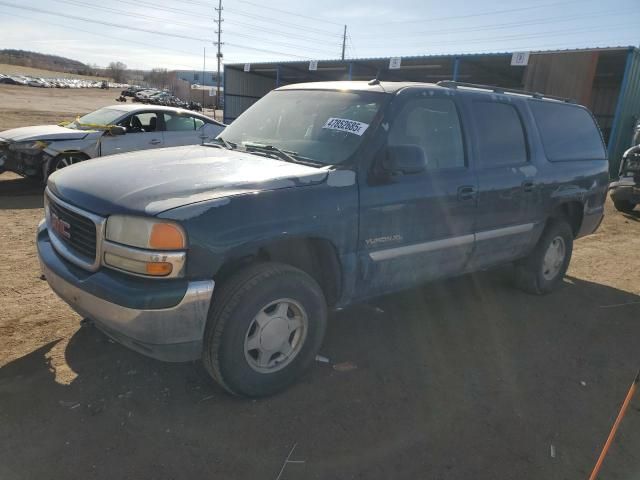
{"x":624,"y":206}
{"x":64,"y":160}
{"x":543,"y":270}
{"x":264,"y":329}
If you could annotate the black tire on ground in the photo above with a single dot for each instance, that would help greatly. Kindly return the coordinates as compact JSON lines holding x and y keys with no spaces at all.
{"x":624,"y":206}
{"x":532,"y":273}
{"x":231,"y":316}
{"x":64,"y":160}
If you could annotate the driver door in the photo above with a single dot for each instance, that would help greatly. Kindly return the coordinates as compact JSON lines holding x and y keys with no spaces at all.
{"x":143,"y":132}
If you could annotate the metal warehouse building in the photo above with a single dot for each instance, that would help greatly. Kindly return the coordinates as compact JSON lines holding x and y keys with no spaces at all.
{"x":607,"y":80}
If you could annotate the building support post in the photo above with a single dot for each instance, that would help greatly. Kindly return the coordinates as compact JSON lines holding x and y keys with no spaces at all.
{"x":456,"y":68}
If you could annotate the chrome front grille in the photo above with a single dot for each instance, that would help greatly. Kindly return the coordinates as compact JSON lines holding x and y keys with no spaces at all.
{"x":75,"y":233}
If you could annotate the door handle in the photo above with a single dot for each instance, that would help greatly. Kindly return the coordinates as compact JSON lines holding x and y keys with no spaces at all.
{"x":155,"y":141}
{"x":466,"y":192}
{"x":528,"y":187}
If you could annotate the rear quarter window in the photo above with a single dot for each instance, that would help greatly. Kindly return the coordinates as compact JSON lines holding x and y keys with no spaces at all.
{"x":568,"y":132}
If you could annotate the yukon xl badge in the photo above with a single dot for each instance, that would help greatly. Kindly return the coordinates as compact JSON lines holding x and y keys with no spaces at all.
{"x":60,"y":226}
{"x":372,"y":242}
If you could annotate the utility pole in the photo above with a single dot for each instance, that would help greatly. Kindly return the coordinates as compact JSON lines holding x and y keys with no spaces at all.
{"x":219,"y":54}
{"x":344,"y":40}
{"x":204,"y":63}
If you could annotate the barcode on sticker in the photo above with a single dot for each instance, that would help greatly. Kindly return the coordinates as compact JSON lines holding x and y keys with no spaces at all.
{"x":345,"y":125}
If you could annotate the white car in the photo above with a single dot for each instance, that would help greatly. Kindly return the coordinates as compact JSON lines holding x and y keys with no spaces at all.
{"x":40,"y":150}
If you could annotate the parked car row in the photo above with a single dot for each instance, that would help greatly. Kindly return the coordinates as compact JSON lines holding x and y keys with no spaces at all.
{"x":154,"y":96}
{"x":61,"y":82}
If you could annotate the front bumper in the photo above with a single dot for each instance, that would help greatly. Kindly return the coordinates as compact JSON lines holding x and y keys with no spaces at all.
{"x":23,"y":163}
{"x":162,"y":321}
{"x":625,"y":189}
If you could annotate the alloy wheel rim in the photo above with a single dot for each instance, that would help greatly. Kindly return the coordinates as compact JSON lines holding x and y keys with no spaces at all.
{"x":553,"y":258}
{"x":276,"y":335}
{"x":67,"y":161}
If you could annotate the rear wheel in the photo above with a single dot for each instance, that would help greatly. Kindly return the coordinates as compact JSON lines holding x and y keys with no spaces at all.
{"x":265,"y":327}
{"x":624,"y":206}
{"x":543,"y":270}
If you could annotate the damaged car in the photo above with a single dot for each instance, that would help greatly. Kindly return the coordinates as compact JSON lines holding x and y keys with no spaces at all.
{"x":39,"y":151}
{"x":625,"y":192}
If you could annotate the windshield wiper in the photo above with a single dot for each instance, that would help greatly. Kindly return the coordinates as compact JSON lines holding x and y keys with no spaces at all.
{"x":225,"y":143}
{"x":286,"y":155}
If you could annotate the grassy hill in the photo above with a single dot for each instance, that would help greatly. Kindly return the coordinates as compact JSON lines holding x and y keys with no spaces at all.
{"x":43,"y":61}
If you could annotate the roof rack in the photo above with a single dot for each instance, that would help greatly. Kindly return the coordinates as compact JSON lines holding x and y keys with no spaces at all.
{"x":454,"y":84}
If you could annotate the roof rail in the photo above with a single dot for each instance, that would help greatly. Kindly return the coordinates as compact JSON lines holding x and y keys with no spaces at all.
{"x":454,"y":84}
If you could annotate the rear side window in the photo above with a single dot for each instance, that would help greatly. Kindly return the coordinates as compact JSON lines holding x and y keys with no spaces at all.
{"x":568,"y":132}
{"x":501,"y":139}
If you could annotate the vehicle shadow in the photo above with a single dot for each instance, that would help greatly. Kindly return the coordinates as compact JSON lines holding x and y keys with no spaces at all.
{"x":633,"y":215}
{"x":20,"y":193}
{"x":467,"y":378}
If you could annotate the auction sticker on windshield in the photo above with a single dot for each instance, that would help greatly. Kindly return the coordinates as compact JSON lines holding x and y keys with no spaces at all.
{"x":344,"y":125}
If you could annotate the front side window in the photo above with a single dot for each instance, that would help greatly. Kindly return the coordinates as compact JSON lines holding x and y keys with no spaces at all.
{"x":144,"y":122}
{"x":501,"y":138}
{"x":434,"y":125}
{"x":325,"y":126}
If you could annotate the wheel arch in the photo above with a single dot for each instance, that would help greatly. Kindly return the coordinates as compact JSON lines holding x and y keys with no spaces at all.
{"x":316,"y":256}
{"x":572,"y":211}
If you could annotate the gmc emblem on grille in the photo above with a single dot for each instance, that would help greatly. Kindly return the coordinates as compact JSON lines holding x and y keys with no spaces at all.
{"x":60,"y":226}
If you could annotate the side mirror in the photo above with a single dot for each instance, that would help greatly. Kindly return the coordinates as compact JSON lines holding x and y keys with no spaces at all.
{"x":116,"y":130}
{"x":405,"y":159}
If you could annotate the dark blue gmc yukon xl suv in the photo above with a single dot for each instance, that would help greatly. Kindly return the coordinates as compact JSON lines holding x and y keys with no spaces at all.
{"x":318,"y":196}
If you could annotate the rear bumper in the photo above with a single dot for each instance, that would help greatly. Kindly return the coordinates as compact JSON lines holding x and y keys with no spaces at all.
{"x":172,"y":333}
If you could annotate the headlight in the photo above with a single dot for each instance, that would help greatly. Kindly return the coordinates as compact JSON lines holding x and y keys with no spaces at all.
{"x":28,"y":146}
{"x":145,"y":246}
{"x":144,"y":232}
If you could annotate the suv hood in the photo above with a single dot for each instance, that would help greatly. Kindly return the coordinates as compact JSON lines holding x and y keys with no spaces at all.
{"x":42,"y":132}
{"x":150,"y":182}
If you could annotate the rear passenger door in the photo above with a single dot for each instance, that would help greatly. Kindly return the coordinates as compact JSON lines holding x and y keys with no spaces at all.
{"x":506,"y":181}
{"x":416,"y":227}
{"x":185,"y":129}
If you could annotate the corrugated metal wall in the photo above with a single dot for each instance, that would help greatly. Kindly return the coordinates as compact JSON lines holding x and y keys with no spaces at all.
{"x":627,"y":111}
{"x":242,"y":90}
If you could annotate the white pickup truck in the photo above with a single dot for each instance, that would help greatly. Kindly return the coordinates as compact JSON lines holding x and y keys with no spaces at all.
{"x":40,"y":150}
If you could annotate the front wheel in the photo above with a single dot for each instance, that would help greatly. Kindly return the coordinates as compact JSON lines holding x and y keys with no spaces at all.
{"x":543,"y":270}
{"x":264,"y":329}
{"x":624,"y":206}
{"x":64,"y":160}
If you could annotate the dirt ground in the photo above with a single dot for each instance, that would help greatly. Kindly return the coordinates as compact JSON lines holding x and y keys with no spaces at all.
{"x":463,"y":379}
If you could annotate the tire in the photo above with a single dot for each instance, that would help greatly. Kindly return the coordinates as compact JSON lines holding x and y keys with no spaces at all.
{"x":64,"y":160}
{"x":624,"y":206}
{"x":537,"y":276}
{"x":233,"y":328}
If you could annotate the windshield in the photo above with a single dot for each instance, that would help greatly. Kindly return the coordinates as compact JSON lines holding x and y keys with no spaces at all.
{"x":104,"y":116}
{"x":324,"y":126}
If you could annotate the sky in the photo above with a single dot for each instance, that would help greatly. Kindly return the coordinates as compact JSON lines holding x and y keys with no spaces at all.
{"x":175,"y":35}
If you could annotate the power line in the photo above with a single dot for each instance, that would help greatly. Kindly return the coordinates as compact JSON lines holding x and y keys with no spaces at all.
{"x":499,"y":26}
{"x":137,"y":29}
{"x":482,"y":14}
{"x":523,"y":36}
{"x":270,"y":20}
{"x":288,"y":12}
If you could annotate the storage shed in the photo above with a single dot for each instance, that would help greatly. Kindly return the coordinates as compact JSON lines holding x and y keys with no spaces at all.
{"x":607,"y":80}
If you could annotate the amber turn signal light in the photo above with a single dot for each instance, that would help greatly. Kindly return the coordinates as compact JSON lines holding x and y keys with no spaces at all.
{"x":166,"y":236}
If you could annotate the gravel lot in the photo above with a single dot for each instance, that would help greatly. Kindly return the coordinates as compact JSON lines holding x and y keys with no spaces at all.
{"x":467,"y":378}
